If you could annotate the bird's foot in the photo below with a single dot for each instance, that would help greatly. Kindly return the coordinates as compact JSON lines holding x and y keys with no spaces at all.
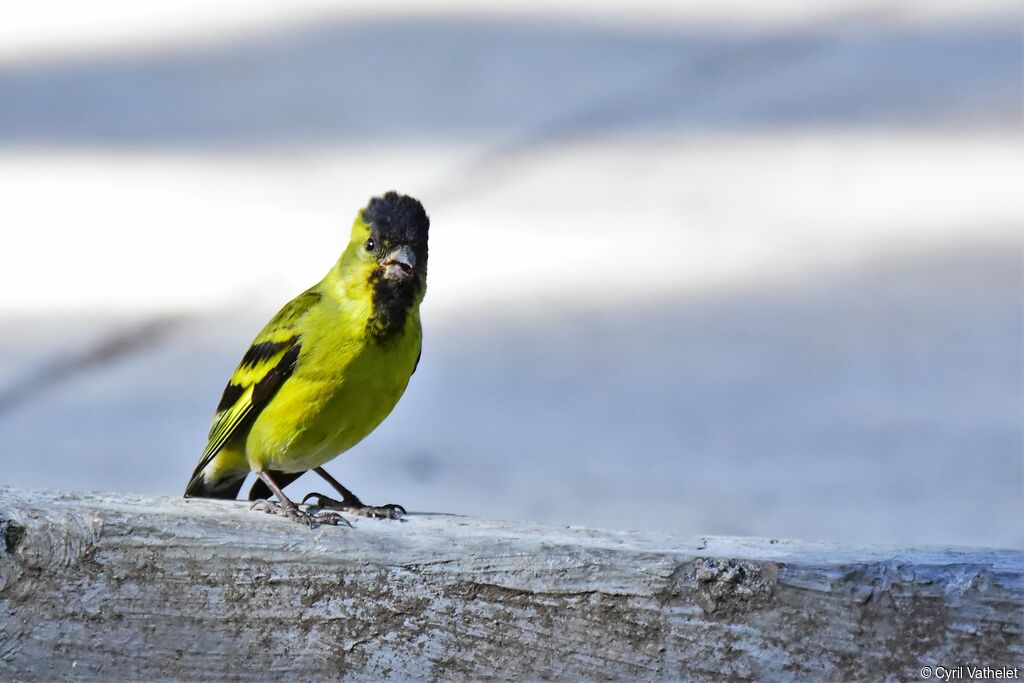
{"x":358,"y":507}
{"x":294,"y":513}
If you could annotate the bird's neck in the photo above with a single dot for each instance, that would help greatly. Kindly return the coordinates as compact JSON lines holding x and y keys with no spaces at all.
{"x":393,"y":307}
{"x":384,"y":308}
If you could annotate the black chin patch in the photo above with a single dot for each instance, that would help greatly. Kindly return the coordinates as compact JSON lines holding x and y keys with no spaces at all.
{"x":394,"y":220}
{"x":392,"y":303}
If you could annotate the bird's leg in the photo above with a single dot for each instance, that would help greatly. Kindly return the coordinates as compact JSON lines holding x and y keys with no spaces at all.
{"x":286,"y":508}
{"x":347,"y":496}
{"x":350,"y":502}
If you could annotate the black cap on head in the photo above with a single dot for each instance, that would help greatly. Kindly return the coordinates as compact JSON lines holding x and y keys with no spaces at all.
{"x":398,"y":219}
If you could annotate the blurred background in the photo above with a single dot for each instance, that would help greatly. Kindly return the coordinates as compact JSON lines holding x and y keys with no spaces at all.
{"x":705,"y":267}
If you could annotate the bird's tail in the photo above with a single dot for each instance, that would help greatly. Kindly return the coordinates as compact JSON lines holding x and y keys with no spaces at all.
{"x":226,"y":487}
{"x":282,"y":479}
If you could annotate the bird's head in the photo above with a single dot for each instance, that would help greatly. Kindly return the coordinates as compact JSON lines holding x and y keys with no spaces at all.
{"x":392,"y":231}
{"x":388,"y":252}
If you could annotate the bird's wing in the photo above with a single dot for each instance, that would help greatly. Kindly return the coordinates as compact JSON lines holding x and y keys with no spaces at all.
{"x":264,"y":368}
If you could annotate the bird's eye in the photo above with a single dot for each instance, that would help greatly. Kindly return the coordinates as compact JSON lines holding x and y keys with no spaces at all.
{"x":370,"y":245}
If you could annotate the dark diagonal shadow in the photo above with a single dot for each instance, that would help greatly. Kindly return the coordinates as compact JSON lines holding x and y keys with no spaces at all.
{"x":113,"y":348}
{"x":449,"y":78}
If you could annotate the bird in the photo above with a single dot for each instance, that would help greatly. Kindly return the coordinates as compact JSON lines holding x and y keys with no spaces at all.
{"x":325,"y":371}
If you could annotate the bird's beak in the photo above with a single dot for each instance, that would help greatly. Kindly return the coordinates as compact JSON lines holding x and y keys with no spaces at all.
{"x":399,"y":264}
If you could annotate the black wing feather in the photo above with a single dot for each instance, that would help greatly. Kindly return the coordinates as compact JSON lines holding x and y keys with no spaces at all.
{"x":262,"y":392}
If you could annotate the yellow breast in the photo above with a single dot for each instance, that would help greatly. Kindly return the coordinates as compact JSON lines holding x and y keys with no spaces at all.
{"x":336,"y":397}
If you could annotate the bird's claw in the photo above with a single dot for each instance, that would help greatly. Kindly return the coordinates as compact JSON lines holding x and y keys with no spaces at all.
{"x":294,"y":513}
{"x":357,"y":507}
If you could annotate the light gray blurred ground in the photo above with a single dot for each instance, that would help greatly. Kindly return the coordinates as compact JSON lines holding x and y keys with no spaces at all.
{"x":714,"y":276}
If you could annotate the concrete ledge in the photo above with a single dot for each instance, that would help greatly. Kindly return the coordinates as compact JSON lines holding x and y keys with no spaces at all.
{"x":101,"y":586}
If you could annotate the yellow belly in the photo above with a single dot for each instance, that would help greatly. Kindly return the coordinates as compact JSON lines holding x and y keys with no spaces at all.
{"x":318,"y":415}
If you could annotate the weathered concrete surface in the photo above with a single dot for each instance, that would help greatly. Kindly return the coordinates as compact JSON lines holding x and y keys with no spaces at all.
{"x":101,"y":586}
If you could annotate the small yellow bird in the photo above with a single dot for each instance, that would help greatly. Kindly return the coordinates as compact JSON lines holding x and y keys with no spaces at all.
{"x":326,"y":370}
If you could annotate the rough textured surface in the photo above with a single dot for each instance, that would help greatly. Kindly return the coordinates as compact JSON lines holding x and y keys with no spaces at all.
{"x":94,"y":586}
